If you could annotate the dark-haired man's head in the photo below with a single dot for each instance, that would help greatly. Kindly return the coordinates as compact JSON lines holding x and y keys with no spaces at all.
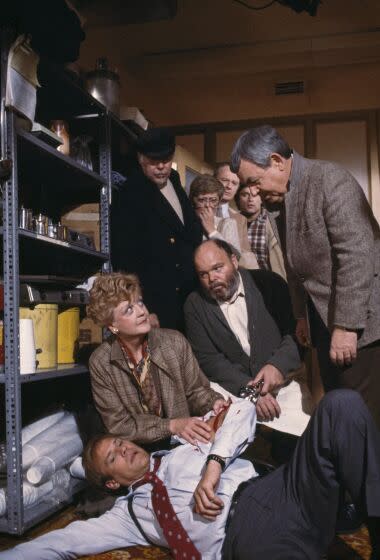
{"x":248,"y":201}
{"x":217,"y":269}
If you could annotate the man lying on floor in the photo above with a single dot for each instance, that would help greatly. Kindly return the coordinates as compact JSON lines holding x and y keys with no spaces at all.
{"x":184,"y":499}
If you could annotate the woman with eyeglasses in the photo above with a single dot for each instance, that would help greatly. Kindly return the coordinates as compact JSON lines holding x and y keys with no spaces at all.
{"x":205,"y":195}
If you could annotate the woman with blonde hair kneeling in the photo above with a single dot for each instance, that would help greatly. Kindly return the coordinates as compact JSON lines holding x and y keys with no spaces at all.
{"x":146,"y":382}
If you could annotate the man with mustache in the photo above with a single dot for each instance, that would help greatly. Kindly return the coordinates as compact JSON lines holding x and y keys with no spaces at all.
{"x":234,"y":337}
{"x":205,"y":503}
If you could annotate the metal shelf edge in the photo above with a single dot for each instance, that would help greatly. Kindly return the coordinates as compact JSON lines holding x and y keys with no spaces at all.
{"x":46,"y":374}
{"x":53,"y":152}
{"x":41,"y":511}
{"x":59,"y":243}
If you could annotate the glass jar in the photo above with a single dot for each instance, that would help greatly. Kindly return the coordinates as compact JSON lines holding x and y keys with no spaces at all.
{"x":61,"y":129}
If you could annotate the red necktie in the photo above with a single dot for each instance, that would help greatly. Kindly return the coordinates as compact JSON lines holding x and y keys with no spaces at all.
{"x":178,"y":540}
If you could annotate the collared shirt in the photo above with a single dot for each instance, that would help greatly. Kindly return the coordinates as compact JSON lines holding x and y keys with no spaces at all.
{"x":171,"y":196}
{"x":223,"y":210}
{"x":236,"y":314}
{"x":257,"y":236}
{"x":180,"y":470}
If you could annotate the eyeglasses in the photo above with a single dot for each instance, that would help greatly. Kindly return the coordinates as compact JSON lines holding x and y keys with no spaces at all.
{"x":203,"y":200}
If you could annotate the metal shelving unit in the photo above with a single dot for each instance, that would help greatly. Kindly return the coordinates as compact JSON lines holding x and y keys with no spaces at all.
{"x":33,"y":163}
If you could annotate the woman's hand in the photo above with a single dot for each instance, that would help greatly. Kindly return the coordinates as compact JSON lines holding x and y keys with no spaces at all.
{"x":191,"y":429}
{"x":207,"y":217}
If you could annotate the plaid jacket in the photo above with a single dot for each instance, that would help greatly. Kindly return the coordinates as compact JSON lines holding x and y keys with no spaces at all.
{"x":184,"y":389}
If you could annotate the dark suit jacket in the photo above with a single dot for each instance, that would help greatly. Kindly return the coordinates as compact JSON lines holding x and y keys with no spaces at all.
{"x":148,"y":238}
{"x":216,"y":348}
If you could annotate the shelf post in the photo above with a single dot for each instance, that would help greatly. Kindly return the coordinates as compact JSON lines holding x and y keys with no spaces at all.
{"x":11,"y":308}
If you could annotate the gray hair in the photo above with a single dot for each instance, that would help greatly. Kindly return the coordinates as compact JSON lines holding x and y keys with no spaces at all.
{"x":257,"y":145}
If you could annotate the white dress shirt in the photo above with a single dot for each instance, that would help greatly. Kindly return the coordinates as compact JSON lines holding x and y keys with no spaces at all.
{"x":171,"y":196}
{"x":223,"y":210}
{"x":236,"y":314}
{"x":180,"y":470}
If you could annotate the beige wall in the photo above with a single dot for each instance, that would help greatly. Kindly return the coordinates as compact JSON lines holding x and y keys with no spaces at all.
{"x":219,"y":63}
{"x":187,"y":101}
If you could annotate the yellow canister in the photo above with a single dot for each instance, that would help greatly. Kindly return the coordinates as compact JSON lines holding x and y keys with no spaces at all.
{"x":45,"y":319}
{"x":68,"y":334}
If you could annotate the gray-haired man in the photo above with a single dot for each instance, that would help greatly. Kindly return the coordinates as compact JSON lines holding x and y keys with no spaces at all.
{"x":332,"y":245}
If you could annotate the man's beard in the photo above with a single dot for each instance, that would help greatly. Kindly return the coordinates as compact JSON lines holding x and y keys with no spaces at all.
{"x":225,"y":289}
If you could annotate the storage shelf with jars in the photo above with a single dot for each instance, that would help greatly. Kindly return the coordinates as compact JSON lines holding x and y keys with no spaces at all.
{"x":62,"y":170}
{"x":43,"y":187}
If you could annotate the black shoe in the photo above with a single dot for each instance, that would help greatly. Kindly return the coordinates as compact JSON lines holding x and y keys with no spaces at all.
{"x":373,"y":525}
{"x":348,"y":520}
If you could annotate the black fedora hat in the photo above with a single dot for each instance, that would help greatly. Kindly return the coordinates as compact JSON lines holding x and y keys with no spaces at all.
{"x":156,"y":143}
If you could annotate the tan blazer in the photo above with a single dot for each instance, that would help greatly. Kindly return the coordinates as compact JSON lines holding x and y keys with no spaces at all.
{"x":276,"y":259}
{"x":247,"y":259}
{"x":184,"y":389}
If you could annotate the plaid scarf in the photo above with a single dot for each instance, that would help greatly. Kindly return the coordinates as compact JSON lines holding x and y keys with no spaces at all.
{"x":257,"y":239}
{"x":142,"y":373}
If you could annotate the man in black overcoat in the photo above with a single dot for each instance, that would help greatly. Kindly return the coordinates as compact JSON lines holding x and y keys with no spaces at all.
{"x":154,"y":229}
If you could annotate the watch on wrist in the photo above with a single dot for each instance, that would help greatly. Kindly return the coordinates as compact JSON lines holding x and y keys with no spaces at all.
{"x":218,"y":459}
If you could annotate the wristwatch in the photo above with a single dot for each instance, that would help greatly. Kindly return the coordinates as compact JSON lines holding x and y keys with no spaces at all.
{"x":218,"y":459}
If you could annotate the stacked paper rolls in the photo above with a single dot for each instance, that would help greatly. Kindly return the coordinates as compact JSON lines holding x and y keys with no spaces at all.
{"x":58,"y":484}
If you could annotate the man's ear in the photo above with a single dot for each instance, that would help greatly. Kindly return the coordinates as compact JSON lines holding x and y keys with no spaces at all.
{"x":277,"y":161}
{"x":112,"y":484}
{"x":234,"y":261}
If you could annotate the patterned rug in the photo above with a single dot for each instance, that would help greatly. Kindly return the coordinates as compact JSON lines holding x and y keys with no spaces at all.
{"x":349,"y":547}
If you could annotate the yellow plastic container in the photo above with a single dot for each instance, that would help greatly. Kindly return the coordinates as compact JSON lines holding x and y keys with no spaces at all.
{"x":45,"y":321}
{"x":68,"y":334}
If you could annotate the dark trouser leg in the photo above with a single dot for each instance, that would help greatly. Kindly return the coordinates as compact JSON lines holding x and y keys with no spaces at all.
{"x":291,"y":513}
{"x":362,"y":376}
